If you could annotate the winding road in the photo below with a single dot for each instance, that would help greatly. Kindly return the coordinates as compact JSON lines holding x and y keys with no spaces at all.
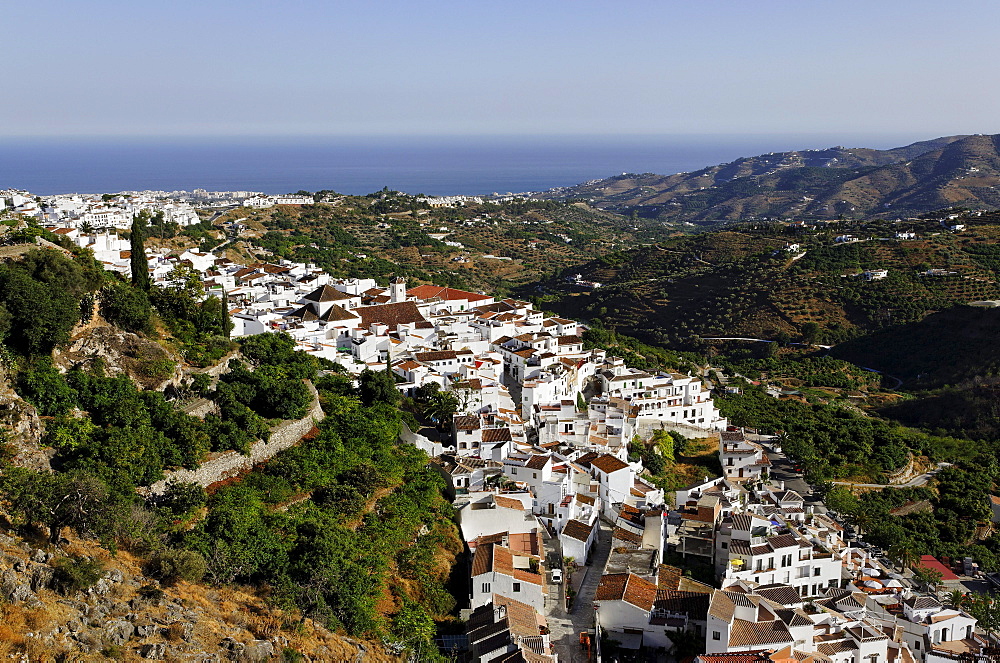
{"x":916,"y":481}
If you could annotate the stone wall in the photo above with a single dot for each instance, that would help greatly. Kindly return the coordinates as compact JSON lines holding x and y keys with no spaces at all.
{"x":231,"y":463}
{"x":421,"y":442}
{"x":645,"y":428}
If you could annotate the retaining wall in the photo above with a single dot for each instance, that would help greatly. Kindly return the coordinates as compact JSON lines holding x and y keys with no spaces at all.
{"x":231,"y":463}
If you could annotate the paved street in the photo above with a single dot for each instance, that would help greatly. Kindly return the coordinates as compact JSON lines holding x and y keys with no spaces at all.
{"x":782,"y":470}
{"x":565,"y":627}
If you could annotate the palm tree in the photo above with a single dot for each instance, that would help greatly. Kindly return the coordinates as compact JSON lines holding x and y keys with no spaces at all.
{"x":956,"y":597}
{"x":904,"y":554}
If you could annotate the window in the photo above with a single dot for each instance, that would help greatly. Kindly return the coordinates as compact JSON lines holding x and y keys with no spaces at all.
{"x":486,"y":588}
{"x":716,"y":635}
{"x":517,"y":586}
{"x":534,"y":475}
{"x":725,"y":544}
{"x":817,"y":570}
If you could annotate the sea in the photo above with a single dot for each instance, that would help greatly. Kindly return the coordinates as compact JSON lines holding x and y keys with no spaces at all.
{"x":437,"y":166}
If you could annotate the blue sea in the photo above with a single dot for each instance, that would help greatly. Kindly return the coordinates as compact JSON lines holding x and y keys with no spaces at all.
{"x":432,"y":166}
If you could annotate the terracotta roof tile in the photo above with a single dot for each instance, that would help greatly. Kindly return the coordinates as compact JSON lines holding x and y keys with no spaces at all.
{"x":400,"y":313}
{"x":508,"y":502}
{"x":608,"y":463}
{"x":577,"y":530}
{"x":626,"y":587}
{"x":758,"y":634}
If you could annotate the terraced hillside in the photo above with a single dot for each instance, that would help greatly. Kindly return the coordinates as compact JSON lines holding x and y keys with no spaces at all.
{"x":482,"y":247}
{"x":823,"y":184}
{"x":748,"y":283}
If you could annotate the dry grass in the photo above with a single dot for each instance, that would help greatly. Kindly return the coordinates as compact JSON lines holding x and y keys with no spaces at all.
{"x":242,"y":613}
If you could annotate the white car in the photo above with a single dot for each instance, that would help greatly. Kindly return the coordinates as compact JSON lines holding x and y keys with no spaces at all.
{"x":556,"y":575}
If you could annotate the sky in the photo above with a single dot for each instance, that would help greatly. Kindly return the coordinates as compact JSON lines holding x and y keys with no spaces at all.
{"x":541,"y":67}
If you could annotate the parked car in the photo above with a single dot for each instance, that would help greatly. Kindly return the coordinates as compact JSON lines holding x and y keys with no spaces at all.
{"x":557,"y":575}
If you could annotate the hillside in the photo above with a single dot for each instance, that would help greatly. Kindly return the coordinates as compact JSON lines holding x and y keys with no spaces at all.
{"x":489,"y":246}
{"x":821,"y":184}
{"x":346,"y":526}
{"x":949,"y":361}
{"x":83,"y":603}
{"x":746,"y":282}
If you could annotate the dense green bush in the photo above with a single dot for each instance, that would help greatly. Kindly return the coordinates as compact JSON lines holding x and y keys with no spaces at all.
{"x":75,"y":573}
{"x":126,"y":307}
{"x":171,"y":565}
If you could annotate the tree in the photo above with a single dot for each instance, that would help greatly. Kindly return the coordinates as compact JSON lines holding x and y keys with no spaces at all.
{"x":126,"y":307}
{"x":72,"y":499}
{"x":664,"y":444}
{"x":35,"y":316}
{"x":376,"y":387}
{"x":441,"y":408}
{"x":904,"y":553}
{"x":929,"y":578}
{"x":810,"y":332}
{"x":140,"y":268}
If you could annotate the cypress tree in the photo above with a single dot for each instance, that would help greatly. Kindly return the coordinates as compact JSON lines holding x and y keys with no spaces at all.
{"x":225,"y":313}
{"x":140,"y":268}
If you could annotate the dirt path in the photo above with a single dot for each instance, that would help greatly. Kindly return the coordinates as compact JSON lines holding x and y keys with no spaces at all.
{"x":370,"y":506}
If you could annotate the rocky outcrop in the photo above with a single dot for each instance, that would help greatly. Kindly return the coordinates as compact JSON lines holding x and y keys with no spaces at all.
{"x":147,"y":362}
{"x":20,"y":425}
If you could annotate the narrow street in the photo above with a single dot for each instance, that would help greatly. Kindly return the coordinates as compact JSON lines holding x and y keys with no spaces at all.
{"x":566,"y":627}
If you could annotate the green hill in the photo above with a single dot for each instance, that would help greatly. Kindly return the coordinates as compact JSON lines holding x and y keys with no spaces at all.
{"x":950,"y":361}
{"x":746,"y":282}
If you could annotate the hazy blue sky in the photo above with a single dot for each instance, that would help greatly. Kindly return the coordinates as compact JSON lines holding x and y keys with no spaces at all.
{"x":208,"y":67}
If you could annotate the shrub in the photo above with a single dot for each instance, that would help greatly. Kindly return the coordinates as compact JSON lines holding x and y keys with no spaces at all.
{"x":171,"y":565}
{"x":76,"y":573}
{"x":126,"y":307}
{"x":181,"y":498}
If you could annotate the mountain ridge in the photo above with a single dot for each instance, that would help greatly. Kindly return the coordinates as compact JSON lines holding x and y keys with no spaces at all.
{"x":961,"y":170}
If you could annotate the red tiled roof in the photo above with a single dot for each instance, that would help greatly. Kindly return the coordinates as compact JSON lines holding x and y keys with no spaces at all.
{"x":447,"y":294}
{"x":435,"y":356}
{"x":400,"y":313}
{"x":508,"y":502}
{"x":758,"y":634}
{"x":929,"y":562}
{"x":626,"y":587}
{"x":496,"y":435}
{"x":578,"y":530}
{"x":537,"y":462}
{"x":608,"y":463}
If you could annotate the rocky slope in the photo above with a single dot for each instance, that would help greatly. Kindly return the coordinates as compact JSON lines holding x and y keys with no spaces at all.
{"x":20,"y":427}
{"x":128,"y":616}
